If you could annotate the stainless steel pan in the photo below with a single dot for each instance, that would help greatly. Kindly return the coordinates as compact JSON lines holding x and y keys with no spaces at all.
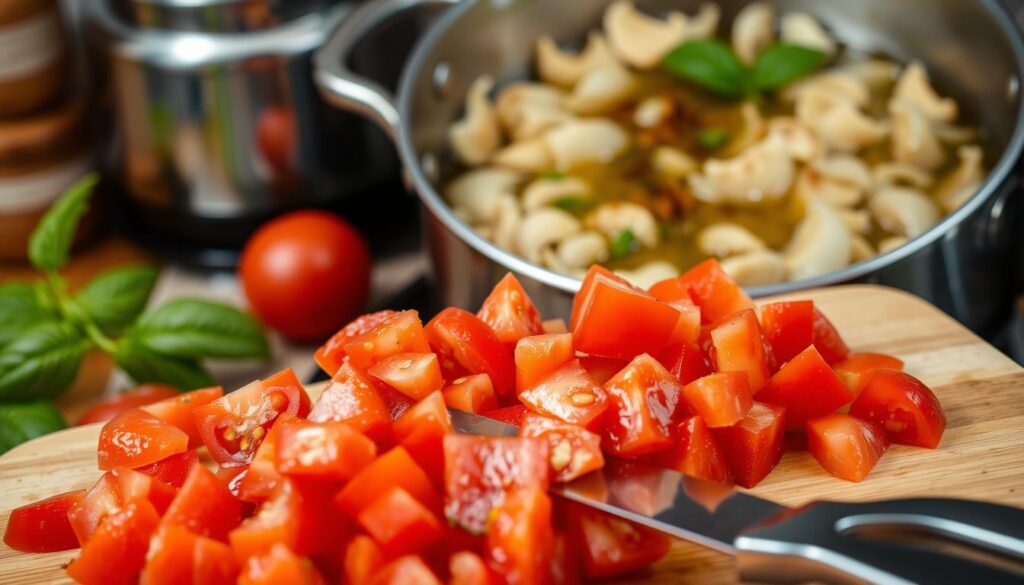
{"x":964,"y":264}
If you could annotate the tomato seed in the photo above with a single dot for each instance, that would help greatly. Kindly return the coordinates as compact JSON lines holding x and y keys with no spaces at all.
{"x":583,"y":398}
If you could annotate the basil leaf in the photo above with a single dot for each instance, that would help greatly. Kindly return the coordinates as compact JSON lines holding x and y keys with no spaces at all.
{"x":193,"y":328}
{"x":571,"y":203}
{"x":48,"y":247}
{"x":145,"y":365}
{"x":23,"y":421}
{"x":710,"y":64}
{"x":781,"y":63}
{"x":21,"y":307}
{"x":552,"y":175}
{"x":712,"y":138}
{"x":41,"y":362}
{"x":116,"y":298}
{"x":623,"y":244}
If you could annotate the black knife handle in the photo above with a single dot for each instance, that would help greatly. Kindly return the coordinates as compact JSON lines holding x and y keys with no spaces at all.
{"x":841,"y":543}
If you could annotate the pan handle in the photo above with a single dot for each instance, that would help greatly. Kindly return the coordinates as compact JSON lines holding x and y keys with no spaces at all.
{"x":348,"y":90}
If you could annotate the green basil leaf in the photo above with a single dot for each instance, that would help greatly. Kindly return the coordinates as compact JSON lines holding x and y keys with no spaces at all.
{"x":571,"y":203}
{"x":623,"y":244}
{"x":710,"y":64}
{"x":115,"y":299}
{"x":50,"y":242}
{"x":145,"y":366}
{"x":21,"y":307}
{"x":23,"y":421}
{"x":552,"y":175}
{"x":194,"y":328}
{"x":781,"y":63}
{"x":712,"y":138}
{"x":41,"y":362}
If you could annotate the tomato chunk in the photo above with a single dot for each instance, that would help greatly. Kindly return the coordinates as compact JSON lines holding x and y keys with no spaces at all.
{"x":412,"y":374}
{"x":400,"y":523}
{"x":739,"y":347}
{"x":643,"y":397}
{"x":512,"y":415}
{"x":116,"y":552}
{"x":262,"y":476}
{"x":421,"y":431}
{"x":807,"y":388}
{"x":407,"y":570}
{"x":611,"y":546}
{"x":480,"y":471}
{"x":136,"y":438}
{"x":330,"y":355}
{"x":107,"y":408}
{"x":279,"y":565}
{"x":101,"y":500}
{"x":510,"y":313}
{"x":827,"y":339}
{"x":180,"y":411}
{"x":174,"y":469}
{"x":204,"y":506}
{"x":327,"y":450}
{"x":467,"y":568}
{"x":539,"y":355}
{"x":686,"y":361}
{"x":179,"y":556}
{"x":856,"y":370}
{"x":904,"y":406}
{"x":301,"y":516}
{"x":845,"y":446}
{"x":363,"y":558}
{"x":592,"y":274}
{"x":687,"y":328}
{"x":473,"y":393}
{"x":602,"y":369}
{"x":555,"y":326}
{"x":350,"y":397}
{"x":43,"y":526}
{"x":574,"y":451}
{"x":466,"y":345}
{"x":568,"y":394}
{"x":132,"y":485}
{"x":714,"y":291}
{"x":393,"y":469}
{"x":694,"y":452}
{"x":520,"y":537}
{"x":789,"y":327}
{"x":721,"y":399}
{"x":753,"y":446}
{"x":233,"y":427}
{"x":399,"y":333}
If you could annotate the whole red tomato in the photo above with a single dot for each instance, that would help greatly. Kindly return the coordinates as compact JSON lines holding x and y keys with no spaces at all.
{"x":306,"y":274}
{"x":108,"y":408}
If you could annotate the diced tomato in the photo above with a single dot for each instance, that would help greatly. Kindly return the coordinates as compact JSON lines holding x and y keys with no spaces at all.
{"x":602,"y":369}
{"x":565,"y":568}
{"x":413,"y":374}
{"x":619,"y":321}
{"x":466,"y":345}
{"x":116,"y":552}
{"x":467,"y":568}
{"x":174,"y":469}
{"x":326,"y":450}
{"x":612,"y":546}
{"x":856,"y":370}
{"x":789,"y":327}
{"x":43,"y":526}
{"x":687,"y":328}
{"x":479,"y":471}
{"x":904,"y":406}
{"x":132,"y":485}
{"x":512,"y":415}
{"x":232,"y":477}
{"x":421,"y":431}
{"x":331,"y":354}
{"x":399,"y":333}
{"x":408,"y":570}
{"x":510,"y":313}
{"x":807,"y":388}
{"x":573,"y":450}
{"x":300,"y":516}
{"x":827,"y":339}
{"x":721,"y":399}
{"x":262,"y":475}
{"x":400,"y":523}
{"x":136,"y":438}
{"x":363,"y":559}
{"x":204,"y":506}
{"x":643,"y":396}
{"x":714,"y":291}
{"x":351,"y":397}
{"x":555,"y":326}
{"x":685,"y":360}
{"x":233,"y":427}
{"x":539,"y":355}
{"x":638,"y":486}
{"x":392,"y":469}
{"x":396,"y":402}
{"x":474,"y":393}
{"x":568,"y":394}
{"x":178,"y":556}
{"x":101,"y":500}
{"x":520,"y":537}
{"x":694,"y":452}
{"x":593,"y":273}
{"x":739,"y":347}
{"x":108,"y":408}
{"x":279,"y":565}
{"x":845,"y":446}
{"x":180,"y":410}
{"x":753,"y":446}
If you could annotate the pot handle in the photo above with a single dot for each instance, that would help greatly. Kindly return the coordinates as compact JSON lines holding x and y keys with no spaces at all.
{"x":348,"y":90}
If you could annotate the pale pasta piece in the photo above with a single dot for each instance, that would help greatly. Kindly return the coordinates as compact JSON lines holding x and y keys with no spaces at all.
{"x":528,"y":156}
{"x":474,"y":194}
{"x":673,"y":163}
{"x":891,"y":243}
{"x":542,"y":191}
{"x":860,"y":249}
{"x":477,"y":136}
{"x":901,"y":173}
{"x":876,"y":74}
{"x":752,"y":31}
{"x":543,"y":228}
{"x":765,"y":171}
{"x":650,"y":273}
{"x":756,"y":268}
{"x":801,"y":141}
{"x":902,"y":211}
{"x":703,"y":24}
{"x":857,"y":221}
{"x":642,"y":41}
{"x":562,"y":68}
{"x":506,"y":224}
{"x":913,"y":138}
{"x":845,"y":169}
{"x":835,"y":85}
{"x":528,"y":109}
{"x":800,"y":28}
{"x":593,"y":140}
{"x":914,"y":88}
{"x":812,"y":185}
{"x":962,"y":182}
{"x":580,"y":251}
{"x":819,"y":245}
{"x":653,"y":111}
{"x":615,"y":217}
{"x":752,"y":132}
{"x":838,"y":121}
{"x":728,"y":239}
{"x":602,"y":89}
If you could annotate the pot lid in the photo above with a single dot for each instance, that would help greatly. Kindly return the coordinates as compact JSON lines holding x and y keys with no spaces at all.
{"x":216,"y":15}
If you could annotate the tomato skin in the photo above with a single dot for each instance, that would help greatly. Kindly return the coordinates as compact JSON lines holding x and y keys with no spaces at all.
{"x":407,"y":570}
{"x":400,"y":523}
{"x":685,"y":360}
{"x":305,"y":274}
{"x":694,"y":452}
{"x":714,"y":291}
{"x":43,"y":526}
{"x":687,"y":328}
{"x":108,"y":408}
{"x":179,"y":556}
{"x":473,"y":393}
{"x":512,"y":415}
{"x":510,"y":312}
{"x":396,"y":468}
{"x":101,"y":500}
{"x":136,"y":438}
{"x":644,"y":396}
{"x":116,"y":552}
{"x":352,"y":398}
{"x":904,"y":406}
{"x":827,"y":339}
{"x":753,"y":446}
{"x":279,"y":565}
{"x":593,"y":274}
{"x":261,"y":476}
{"x":331,"y":354}
{"x":806,"y":387}
{"x":413,"y":374}
{"x":466,"y":345}
{"x":467,"y":568}
{"x":400,"y":333}
{"x":856,"y":370}
{"x":611,"y":546}
{"x":132,"y":485}
{"x":574,"y":451}
{"x":174,"y":469}
{"x":539,"y":355}
{"x":327,"y":450}
{"x":846,"y":446}
{"x":520,"y":538}
{"x":421,"y":430}
{"x":721,"y":399}
{"x":180,"y":410}
{"x":789,"y":327}
{"x":363,"y":558}
{"x":204,"y":506}
{"x":568,"y":394}
{"x":300,"y":516}
{"x":739,"y":347}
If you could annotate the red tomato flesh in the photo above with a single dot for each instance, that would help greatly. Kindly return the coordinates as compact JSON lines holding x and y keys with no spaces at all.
{"x":714,"y":291}
{"x":520,"y":538}
{"x":399,"y":333}
{"x":473,"y":393}
{"x":116,"y":552}
{"x":539,"y":355}
{"x":279,"y":565}
{"x":856,"y":370}
{"x":179,"y":556}
{"x":466,"y":345}
{"x":43,"y":526}
{"x":643,"y":397}
{"x":136,"y":438}
{"x":721,"y":399}
{"x":510,"y":313}
{"x":568,"y":394}
{"x":108,"y":408}
{"x":789,"y":327}
{"x":687,"y":328}
{"x":351,"y":397}
{"x":753,"y":446}
{"x":827,"y":339}
{"x":327,"y":450}
{"x":574,"y":451}
{"x":396,"y":468}
{"x":611,"y":546}
{"x":421,"y":430}
{"x":262,"y":476}
{"x":204,"y":506}
{"x":172,"y":470}
{"x":331,"y":354}
{"x":512,"y":415}
{"x":845,"y":446}
{"x":807,"y":388}
{"x":363,"y":558}
{"x":739,"y":347}
{"x":904,"y":406}
{"x":694,"y":452}
{"x":467,"y":568}
{"x":407,"y":570}
{"x":180,"y":410}
{"x":301,"y":516}
{"x":412,"y":374}
{"x":400,"y":523}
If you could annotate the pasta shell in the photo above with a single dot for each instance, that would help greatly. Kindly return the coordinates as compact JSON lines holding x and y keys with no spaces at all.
{"x":962,"y":182}
{"x":613,"y":218}
{"x":642,"y":41}
{"x":580,"y":251}
{"x":561,"y":68}
{"x":752,"y":31}
{"x":647,"y":275}
{"x":474,"y":194}
{"x":914,"y":88}
{"x":594,"y":140}
{"x":819,"y":245}
{"x":728,"y":239}
{"x":906,"y":212}
{"x":528,"y":156}
{"x":476,"y":137}
{"x":652,"y":111}
{"x":542,"y":192}
{"x":901,"y":173}
{"x":763,"y":172}
{"x":800,"y":28}
{"x":756,"y":268}
{"x":860,"y":249}
{"x":528,"y":109}
{"x":543,"y":228}
{"x":913,"y":138}
{"x":602,"y":89}
{"x":672,"y":162}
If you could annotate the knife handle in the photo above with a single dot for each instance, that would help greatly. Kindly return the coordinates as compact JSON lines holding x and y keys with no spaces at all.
{"x":926,"y":540}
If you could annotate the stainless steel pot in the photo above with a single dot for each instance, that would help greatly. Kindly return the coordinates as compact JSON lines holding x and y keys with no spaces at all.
{"x":217,"y":15}
{"x":964,"y":264}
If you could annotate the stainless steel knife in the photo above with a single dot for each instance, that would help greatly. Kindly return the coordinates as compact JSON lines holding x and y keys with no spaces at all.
{"x":921,"y":540}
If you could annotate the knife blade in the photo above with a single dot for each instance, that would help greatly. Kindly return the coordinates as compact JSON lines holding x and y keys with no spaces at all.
{"x":823,"y":541}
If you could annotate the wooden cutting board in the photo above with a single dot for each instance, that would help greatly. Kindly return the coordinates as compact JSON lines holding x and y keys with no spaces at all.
{"x":981,"y":454}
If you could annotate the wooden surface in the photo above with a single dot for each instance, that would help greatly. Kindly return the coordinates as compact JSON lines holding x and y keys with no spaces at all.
{"x":981,"y":454}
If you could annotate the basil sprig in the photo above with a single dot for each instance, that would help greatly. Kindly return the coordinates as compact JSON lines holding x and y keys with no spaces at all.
{"x":23,"y":421}
{"x":712,"y":65}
